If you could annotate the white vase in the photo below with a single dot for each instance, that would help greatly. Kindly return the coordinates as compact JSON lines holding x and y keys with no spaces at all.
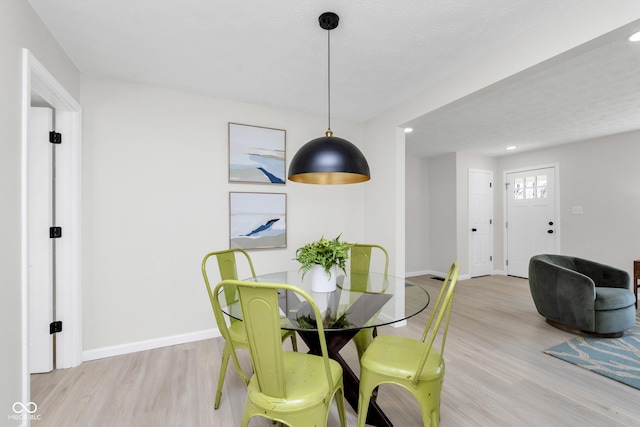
{"x":321,"y":281}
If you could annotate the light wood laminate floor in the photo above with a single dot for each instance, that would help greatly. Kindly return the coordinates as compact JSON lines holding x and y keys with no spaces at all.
{"x":497,"y":375}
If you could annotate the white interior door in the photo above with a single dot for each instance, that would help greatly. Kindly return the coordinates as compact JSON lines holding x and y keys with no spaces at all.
{"x":532,"y":226}
{"x":39,"y":245}
{"x":480,"y":223}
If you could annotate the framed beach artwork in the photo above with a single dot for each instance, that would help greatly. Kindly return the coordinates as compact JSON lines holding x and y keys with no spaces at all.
{"x":256,"y":154}
{"x":257,"y":220}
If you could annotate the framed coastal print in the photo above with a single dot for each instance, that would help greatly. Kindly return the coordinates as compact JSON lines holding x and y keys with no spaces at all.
{"x":256,"y":154}
{"x":257,"y":220}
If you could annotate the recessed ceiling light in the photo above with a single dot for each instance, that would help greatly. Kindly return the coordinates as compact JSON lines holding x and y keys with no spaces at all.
{"x":511,"y":147}
{"x":407,"y":130}
{"x":635,"y":37}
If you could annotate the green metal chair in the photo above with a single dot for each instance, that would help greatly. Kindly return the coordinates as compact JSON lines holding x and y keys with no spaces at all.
{"x":360,"y":264}
{"x":228,"y":270}
{"x":287,"y":387}
{"x":413,"y":364}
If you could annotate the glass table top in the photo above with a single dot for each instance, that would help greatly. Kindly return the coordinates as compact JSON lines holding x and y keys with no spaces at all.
{"x":359,"y":301}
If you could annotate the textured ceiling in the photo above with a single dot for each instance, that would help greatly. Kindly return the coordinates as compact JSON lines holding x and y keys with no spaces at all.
{"x":589,"y":92}
{"x":273,"y":53}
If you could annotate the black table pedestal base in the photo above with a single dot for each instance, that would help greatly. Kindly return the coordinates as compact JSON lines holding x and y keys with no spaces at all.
{"x":336,"y":340}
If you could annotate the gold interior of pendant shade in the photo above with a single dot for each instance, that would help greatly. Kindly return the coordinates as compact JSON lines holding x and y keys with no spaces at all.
{"x":329,"y":178}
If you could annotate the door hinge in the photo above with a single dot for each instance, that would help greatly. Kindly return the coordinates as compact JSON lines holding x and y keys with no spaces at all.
{"x":507,"y":262}
{"x":55,"y":327}
{"x":490,"y":222}
{"x":55,"y":137}
{"x":490,"y":257}
{"x":55,"y":232}
{"x":490,"y":185}
{"x":506,"y":185}
{"x":506,"y":224}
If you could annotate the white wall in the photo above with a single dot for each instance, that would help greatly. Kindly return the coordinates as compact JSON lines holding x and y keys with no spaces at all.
{"x":417,"y":216}
{"x":19,"y":28}
{"x":602,"y":176}
{"x":442,"y":213}
{"x":156,"y":201}
{"x":385,"y":193}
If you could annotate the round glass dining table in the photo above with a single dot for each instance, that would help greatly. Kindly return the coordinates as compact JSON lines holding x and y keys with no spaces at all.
{"x":360,"y":301}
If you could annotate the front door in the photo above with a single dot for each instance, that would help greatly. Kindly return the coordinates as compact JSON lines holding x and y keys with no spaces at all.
{"x":531,"y":227}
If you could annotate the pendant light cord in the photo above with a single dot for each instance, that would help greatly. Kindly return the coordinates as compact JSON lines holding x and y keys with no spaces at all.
{"x":329,"y":132}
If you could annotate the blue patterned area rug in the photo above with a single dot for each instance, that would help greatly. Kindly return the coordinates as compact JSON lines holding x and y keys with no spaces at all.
{"x":615,"y":358}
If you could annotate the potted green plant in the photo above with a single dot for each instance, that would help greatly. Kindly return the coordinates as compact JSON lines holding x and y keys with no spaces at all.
{"x":321,"y":259}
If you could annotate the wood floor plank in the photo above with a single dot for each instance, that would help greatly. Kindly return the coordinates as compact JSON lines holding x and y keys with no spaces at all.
{"x":496,"y":375}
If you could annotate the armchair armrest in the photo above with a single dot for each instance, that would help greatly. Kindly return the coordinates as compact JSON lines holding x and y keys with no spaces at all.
{"x":603,"y":275}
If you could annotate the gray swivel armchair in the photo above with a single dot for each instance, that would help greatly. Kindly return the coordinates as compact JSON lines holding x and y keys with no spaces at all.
{"x":582,"y":296}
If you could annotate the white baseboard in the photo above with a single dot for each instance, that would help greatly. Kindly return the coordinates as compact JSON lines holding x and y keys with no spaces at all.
{"x":117,"y":350}
{"x":435,"y":273}
{"x":417,"y":273}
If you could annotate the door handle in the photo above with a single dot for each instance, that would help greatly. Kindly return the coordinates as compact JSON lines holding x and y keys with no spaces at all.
{"x":474,"y":229}
{"x":550,"y":231}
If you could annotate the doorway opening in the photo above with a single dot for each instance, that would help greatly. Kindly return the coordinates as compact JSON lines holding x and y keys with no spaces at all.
{"x":40,"y":86}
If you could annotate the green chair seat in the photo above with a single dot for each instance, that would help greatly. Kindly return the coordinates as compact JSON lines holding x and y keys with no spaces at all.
{"x":299,"y":369}
{"x":394,"y":356}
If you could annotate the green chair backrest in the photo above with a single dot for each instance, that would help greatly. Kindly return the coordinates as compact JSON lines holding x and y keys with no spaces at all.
{"x":261,"y":317}
{"x":441,"y":311}
{"x":264,"y":336}
{"x":227,"y":263}
{"x":360,"y":264}
{"x":228,"y":271}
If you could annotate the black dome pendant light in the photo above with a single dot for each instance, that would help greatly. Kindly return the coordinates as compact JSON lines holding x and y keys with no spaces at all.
{"x":329,"y":159}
